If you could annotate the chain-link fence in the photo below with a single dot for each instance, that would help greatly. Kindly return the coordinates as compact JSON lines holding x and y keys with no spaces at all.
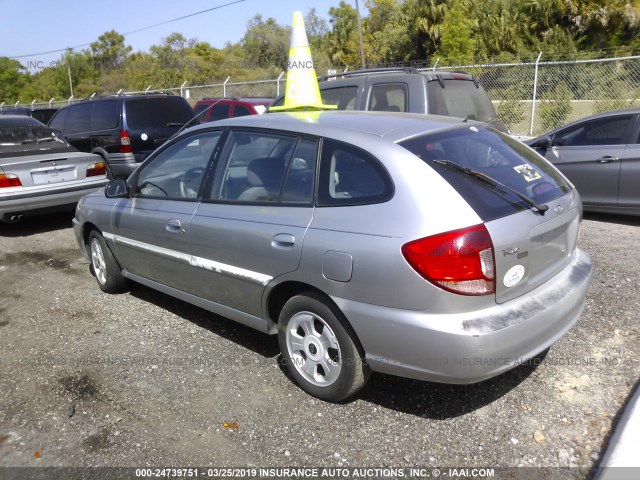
{"x":530,"y":98}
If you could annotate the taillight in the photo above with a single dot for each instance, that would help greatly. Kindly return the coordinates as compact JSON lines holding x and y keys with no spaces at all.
{"x":125,"y":142}
{"x":9,"y":180}
{"x":460,"y":261}
{"x":98,"y":168}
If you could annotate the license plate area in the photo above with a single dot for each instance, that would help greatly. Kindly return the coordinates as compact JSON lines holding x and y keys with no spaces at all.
{"x":44,"y":176}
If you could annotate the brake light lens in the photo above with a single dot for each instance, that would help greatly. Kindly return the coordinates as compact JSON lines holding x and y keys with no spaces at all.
{"x":95,"y":169}
{"x":460,"y":261}
{"x":9,"y":180}
{"x":125,"y":142}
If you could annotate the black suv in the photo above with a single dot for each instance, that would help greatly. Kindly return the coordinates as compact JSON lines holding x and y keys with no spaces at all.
{"x":124,"y":129}
{"x":453,"y":94}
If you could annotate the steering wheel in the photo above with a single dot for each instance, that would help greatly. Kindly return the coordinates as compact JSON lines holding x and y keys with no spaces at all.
{"x":190,"y":182}
{"x":150,"y":187}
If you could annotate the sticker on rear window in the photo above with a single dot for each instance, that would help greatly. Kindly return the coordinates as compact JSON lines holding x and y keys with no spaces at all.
{"x":528,"y":172}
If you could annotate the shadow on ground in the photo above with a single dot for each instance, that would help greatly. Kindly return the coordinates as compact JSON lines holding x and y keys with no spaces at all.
{"x":423,"y":399}
{"x":37,"y":224}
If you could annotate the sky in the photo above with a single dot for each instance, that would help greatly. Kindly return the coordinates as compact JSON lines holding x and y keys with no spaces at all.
{"x":36,"y":26}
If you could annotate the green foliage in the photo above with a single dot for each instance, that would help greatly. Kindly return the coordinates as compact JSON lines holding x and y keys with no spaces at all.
{"x":457,"y":44}
{"x":510,"y":110}
{"x":555,"y":106}
{"x":266,"y":43}
{"x":456,"y":31}
{"x":12,"y":79}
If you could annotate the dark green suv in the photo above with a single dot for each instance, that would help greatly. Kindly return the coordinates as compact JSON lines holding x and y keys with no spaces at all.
{"x":124,"y":129}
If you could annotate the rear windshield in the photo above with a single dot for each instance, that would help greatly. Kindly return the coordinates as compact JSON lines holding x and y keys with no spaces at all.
{"x":21,"y":136}
{"x":158,"y":112}
{"x":498,"y":156}
{"x":460,"y":98}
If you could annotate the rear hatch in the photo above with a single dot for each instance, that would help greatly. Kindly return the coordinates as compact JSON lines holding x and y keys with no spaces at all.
{"x":530,"y":210}
{"x":460,"y":95}
{"x":151,"y":121}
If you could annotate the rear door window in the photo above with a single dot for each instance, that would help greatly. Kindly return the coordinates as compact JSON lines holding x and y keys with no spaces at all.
{"x":497,"y":156}
{"x":57,"y":122}
{"x":460,"y":98}
{"x":343,"y":97}
{"x":388,"y":97}
{"x":79,"y":118}
{"x":219,"y":112}
{"x":104,"y":115}
{"x":254,"y":167}
{"x":241,"y":111}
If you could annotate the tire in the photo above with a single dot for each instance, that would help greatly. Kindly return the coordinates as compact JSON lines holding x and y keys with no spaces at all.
{"x":104,"y":266}
{"x":319,"y":349}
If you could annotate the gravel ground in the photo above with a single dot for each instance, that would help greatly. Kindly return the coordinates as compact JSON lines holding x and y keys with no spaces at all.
{"x":142,"y":379}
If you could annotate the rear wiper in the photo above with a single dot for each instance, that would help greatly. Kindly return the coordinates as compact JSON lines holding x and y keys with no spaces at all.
{"x":494,"y":183}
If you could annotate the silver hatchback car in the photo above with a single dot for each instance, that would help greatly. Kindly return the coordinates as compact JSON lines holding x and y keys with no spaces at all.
{"x":425,"y":247}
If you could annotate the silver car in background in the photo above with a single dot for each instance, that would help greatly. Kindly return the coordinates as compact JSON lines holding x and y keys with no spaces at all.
{"x":425,"y":247}
{"x":40,"y":172}
{"x":600,"y":155}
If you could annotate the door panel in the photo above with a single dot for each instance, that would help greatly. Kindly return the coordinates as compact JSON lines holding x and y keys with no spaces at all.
{"x":252,"y":229}
{"x":589,"y":154}
{"x":238,"y":249}
{"x":594,"y":175}
{"x":152,"y":238}
{"x":151,"y":231}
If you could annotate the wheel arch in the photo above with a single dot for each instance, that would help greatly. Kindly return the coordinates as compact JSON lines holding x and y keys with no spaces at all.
{"x":284,"y":291}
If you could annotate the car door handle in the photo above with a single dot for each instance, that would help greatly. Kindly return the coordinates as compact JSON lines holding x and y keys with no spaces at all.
{"x":283,"y":240}
{"x":606,"y":159}
{"x":174,"y":226}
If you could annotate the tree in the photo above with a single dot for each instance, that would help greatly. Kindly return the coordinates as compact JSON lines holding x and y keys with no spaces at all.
{"x":266,"y":43}
{"x":109,"y":51}
{"x":424,"y":20}
{"x":13,"y":77}
{"x":457,"y":44}
{"x":344,"y":44}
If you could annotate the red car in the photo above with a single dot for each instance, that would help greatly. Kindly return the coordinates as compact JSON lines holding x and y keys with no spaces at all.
{"x":212,"y":109}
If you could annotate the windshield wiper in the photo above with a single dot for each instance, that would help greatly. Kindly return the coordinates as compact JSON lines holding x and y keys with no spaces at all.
{"x":494,"y":183}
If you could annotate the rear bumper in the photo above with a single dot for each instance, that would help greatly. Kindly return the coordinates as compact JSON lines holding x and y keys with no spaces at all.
{"x":473,"y":346}
{"x":33,"y":201}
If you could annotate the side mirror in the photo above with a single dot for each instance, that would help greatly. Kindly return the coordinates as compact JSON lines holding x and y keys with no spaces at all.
{"x":543,"y":143}
{"x":117,"y":188}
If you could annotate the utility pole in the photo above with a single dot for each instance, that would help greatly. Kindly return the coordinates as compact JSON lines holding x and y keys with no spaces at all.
{"x":70,"y":82}
{"x":360,"y":35}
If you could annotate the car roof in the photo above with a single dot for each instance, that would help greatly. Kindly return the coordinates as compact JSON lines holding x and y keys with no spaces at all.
{"x":19,"y":121}
{"x":429,"y":74}
{"x":250,"y":100}
{"x":342,"y":123}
